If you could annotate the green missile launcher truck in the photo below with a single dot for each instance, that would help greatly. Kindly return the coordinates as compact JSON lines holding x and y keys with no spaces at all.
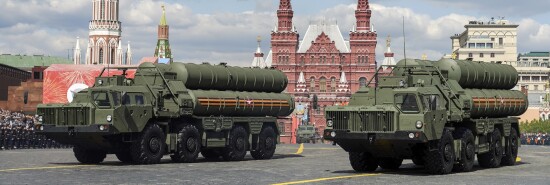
{"x":440,"y":114}
{"x":177,"y":109}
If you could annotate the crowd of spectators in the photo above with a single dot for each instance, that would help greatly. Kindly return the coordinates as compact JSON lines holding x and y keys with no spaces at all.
{"x":535,"y":139}
{"x":17,"y":132}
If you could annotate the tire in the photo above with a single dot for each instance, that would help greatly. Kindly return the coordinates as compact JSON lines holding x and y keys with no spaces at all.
{"x":124,"y":156}
{"x":210,"y":154}
{"x":363,"y":162}
{"x":442,"y":159}
{"x":87,"y":156}
{"x":238,"y":145}
{"x":189,"y":145}
{"x":266,"y":145}
{"x":467,"y":151}
{"x":150,"y":146}
{"x":492,"y":158}
{"x":390,"y":163}
{"x":511,"y":151}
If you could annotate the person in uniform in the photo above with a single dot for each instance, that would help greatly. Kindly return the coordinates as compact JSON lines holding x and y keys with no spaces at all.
{"x":2,"y":135}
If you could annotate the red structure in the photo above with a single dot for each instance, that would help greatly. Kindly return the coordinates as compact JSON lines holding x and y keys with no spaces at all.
{"x":323,"y":65}
{"x":58,"y":78}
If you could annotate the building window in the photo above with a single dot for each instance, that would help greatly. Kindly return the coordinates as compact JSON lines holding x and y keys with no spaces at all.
{"x":500,"y":41}
{"x":481,"y":55}
{"x":333,"y":84}
{"x":101,"y":56}
{"x":333,"y":59}
{"x":362,"y":81}
{"x":472,"y":45}
{"x":489,"y":45}
{"x":312,"y":59}
{"x":536,"y":60}
{"x":470,"y":55}
{"x":492,"y":55}
{"x":323,"y":84}
{"x":303,"y":60}
{"x":312,"y":85}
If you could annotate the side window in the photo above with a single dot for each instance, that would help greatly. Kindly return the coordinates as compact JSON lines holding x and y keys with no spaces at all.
{"x":139,"y":99}
{"x":125,"y":99}
{"x":431,"y":102}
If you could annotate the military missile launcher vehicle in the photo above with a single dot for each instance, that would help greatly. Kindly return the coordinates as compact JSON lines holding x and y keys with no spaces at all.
{"x":440,"y":114}
{"x":177,"y":109}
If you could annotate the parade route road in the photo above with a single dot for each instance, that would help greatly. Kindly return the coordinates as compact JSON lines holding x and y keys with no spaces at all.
{"x":292,"y":164}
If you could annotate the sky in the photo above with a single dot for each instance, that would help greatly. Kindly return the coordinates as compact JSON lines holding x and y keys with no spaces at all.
{"x":225,"y":30}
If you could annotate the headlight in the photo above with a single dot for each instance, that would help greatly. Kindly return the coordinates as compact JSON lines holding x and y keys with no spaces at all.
{"x":109,"y":118}
{"x":40,"y":119}
{"x":100,"y":82}
{"x":41,"y":128}
{"x":333,"y":134}
{"x":419,"y":124}
{"x":329,"y":123}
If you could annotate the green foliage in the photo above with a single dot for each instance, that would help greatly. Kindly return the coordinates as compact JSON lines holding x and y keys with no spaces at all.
{"x":535,"y":126}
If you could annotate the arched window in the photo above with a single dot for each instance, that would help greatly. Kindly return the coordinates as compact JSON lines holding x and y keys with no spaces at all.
{"x":362,"y":81}
{"x":113,"y":56}
{"x":312,"y":84}
{"x":323,"y":84}
{"x":333,"y":84}
{"x":101,"y":56}
{"x":302,"y":60}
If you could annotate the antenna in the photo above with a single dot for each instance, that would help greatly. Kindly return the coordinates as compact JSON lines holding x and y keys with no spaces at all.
{"x":404,"y":42}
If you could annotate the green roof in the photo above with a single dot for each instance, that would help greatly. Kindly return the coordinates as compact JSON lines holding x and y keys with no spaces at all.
{"x":28,"y":61}
{"x":535,"y":54}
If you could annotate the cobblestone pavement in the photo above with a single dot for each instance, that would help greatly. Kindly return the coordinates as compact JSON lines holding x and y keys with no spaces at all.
{"x":319,"y":164}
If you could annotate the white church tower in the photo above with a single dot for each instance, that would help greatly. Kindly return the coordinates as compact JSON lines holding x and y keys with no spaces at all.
{"x":77,"y":53}
{"x":105,"y":32}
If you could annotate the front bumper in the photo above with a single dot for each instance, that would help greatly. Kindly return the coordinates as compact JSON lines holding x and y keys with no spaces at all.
{"x":90,"y":136}
{"x":398,"y":143}
{"x":372,"y":137}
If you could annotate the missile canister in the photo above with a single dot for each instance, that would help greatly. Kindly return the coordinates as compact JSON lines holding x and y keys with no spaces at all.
{"x":225,"y":78}
{"x":479,"y":75}
{"x":496,"y":103}
{"x":230,"y":103}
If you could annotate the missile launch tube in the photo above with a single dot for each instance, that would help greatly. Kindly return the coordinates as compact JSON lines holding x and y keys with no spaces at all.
{"x":496,"y":103}
{"x":225,"y":78}
{"x":479,"y":75}
{"x":227,"y":103}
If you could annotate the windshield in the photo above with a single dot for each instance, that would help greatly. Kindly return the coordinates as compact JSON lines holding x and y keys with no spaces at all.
{"x":407,"y":103}
{"x":101,"y":99}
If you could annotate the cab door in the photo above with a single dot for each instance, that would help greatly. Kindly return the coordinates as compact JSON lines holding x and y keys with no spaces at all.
{"x":137,"y":112}
{"x":434,"y":115}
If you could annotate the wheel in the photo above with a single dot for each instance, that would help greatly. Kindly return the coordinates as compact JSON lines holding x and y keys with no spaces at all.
{"x":467,"y":151}
{"x":124,"y":156}
{"x":511,"y":153}
{"x":238,"y":145}
{"x":418,"y":160}
{"x":87,"y":156}
{"x":210,"y":154}
{"x":189,"y":145}
{"x":390,"y":163}
{"x":441,"y":159}
{"x":362,"y":162}
{"x":149,"y":147}
{"x":492,"y":158}
{"x":266,"y":144}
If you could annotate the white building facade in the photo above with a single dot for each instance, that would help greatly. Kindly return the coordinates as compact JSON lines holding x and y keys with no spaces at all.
{"x":493,"y":41}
